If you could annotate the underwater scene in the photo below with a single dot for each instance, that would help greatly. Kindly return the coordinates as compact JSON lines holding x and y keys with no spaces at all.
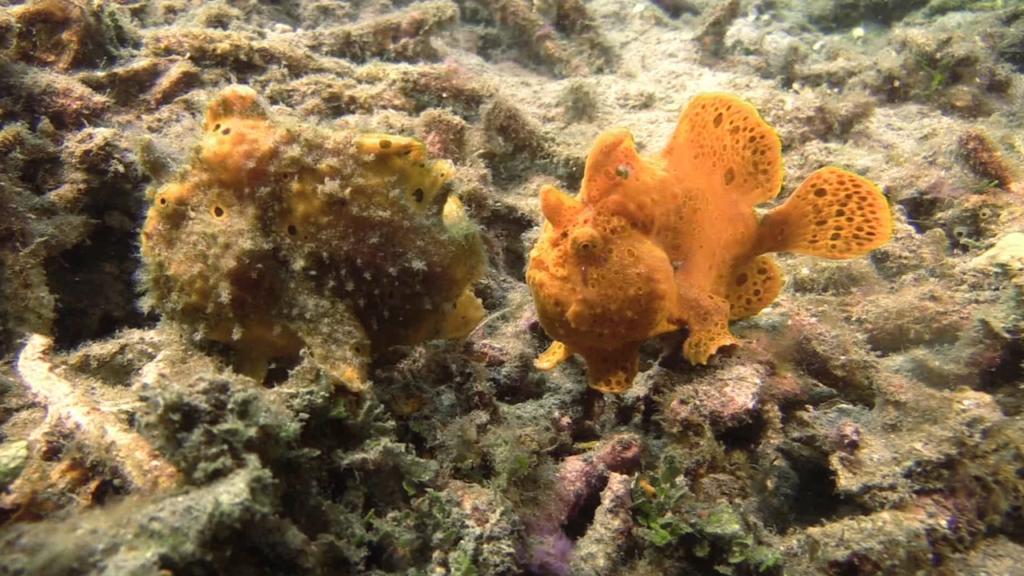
{"x":511,"y":287}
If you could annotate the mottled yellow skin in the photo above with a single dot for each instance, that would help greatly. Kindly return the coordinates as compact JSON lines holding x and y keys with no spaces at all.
{"x":656,"y":243}
{"x":278,"y":239}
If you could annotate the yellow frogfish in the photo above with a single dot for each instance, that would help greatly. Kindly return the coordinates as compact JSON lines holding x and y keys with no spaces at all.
{"x":284,"y":238}
{"x":653,"y":244}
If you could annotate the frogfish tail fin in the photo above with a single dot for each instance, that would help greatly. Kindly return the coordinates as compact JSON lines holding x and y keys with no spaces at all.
{"x":834,"y":214}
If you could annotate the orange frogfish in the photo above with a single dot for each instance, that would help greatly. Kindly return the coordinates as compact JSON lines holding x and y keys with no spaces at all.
{"x":653,"y":244}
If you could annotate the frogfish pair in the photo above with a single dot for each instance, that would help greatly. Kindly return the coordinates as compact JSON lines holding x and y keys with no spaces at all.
{"x":654,"y":244}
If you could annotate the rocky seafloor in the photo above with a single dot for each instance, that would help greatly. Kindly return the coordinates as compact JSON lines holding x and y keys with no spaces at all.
{"x":871,"y":421}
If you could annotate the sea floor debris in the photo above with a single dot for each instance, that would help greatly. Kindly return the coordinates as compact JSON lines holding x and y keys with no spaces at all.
{"x":100,"y":436}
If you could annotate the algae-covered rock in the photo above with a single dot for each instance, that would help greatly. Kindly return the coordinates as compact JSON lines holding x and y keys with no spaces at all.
{"x":838,"y":13}
{"x":69,"y":34}
{"x":1007,"y":254}
{"x":174,"y":533}
{"x":13,"y":456}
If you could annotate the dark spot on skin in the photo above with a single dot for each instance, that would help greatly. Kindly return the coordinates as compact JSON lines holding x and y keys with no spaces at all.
{"x":762,"y":271}
{"x":741,"y":279}
{"x":840,"y":213}
{"x":216,"y":127}
{"x":292,"y":230}
{"x":226,"y":131}
{"x":622,"y":172}
{"x":418,"y":194}
{"x":757,"y":292}
{"x":385,"y":144}
{"x":718,"y":120}
{"x":820,"y":192}
{"x":730,"y":176}
{"x":218,"y":211}
{"x":835,"y":236}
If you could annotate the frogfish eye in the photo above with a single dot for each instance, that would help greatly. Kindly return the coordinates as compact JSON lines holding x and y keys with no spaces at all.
{"x":586,"y":241}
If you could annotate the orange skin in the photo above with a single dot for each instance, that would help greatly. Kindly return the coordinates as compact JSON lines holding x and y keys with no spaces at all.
{"x":654,"y":244}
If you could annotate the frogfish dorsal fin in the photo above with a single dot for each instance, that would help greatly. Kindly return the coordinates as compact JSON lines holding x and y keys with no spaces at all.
{"x":722,"y":148}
